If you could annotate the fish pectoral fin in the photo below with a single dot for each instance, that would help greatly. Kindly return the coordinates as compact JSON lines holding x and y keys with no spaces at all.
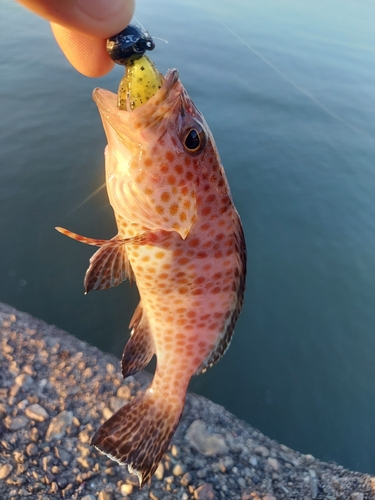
{"x":140,"y":239}
{"x":83,"y":239}
{"x":140,"y":347}
{"x":109,"y":266}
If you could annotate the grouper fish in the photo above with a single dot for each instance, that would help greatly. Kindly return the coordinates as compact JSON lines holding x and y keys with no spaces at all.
{"x":180,"y":240}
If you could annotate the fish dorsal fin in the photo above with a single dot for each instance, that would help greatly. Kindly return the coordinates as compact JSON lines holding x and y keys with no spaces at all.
{"x":140,"y":347}
{"x":226,"y":334}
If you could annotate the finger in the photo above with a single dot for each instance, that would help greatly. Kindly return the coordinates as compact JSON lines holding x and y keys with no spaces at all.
{"x":86,"y":54}
{"x":98,"y":18}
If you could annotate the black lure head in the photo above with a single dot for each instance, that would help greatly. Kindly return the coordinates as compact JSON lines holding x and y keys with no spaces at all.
{"x":130,"y":44}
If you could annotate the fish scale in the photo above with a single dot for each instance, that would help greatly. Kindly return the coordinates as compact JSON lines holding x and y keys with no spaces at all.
{"x":181,"y":240}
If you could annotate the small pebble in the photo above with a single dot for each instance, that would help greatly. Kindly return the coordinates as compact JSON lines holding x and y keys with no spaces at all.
{"x":31,"y":449}
{"x":16,"y":423}
{"x":84,"y":436}
{"x":357,"y":496}
{"x":36,"y":412}
{"x":262,"y":451}
{"x":207,"y":444}
{"x":111,"y":369}
{"x":107,"y":413}
{"x":116,"y":403}
{"x":126,"y":489}
{"x":159,"y":473}
{"x":177,"y":470}
{"x":274,"y":463}
{"x":23,"y":380}
{"x":59,"y":425}
{"x":62,"y":454}
{"x":5,"y":470}
{"x":186,"y":479}
{"x":105,"y":495}
{"x":123,"y":392}
{"x":204,"y":492}
{"x":88,"y":497}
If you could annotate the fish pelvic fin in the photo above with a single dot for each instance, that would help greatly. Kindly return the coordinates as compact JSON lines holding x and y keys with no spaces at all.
{"x":139,"y":433}
{"x":140,"y":347}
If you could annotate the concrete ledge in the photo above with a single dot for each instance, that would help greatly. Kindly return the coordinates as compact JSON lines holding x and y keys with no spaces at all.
{"x":55,"y":391}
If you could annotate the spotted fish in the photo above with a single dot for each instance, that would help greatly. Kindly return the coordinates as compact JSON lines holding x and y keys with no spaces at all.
{"x":181,"y":240}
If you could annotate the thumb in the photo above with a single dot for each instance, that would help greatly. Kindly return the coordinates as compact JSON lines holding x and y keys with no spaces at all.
{"x":97,"y":18}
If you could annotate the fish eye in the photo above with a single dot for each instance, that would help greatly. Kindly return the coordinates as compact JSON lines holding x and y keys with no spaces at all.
{"x":194,"y":140}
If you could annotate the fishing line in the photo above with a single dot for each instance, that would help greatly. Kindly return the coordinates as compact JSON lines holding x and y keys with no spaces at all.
{"x":295,"y":85}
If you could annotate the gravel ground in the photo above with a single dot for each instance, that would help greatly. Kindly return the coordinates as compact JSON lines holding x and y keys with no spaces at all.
{"x":55,"y":391}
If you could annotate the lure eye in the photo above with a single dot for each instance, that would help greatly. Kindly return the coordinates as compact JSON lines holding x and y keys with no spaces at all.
{"x":195,"y":140}
{"x":130,"y":44}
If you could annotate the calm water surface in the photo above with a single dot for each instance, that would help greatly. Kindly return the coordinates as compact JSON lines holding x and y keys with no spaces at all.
{"x":292,"y":109}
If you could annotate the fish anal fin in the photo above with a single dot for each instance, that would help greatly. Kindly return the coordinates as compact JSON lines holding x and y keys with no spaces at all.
{"x":109,"y":266}
{"x":140,"y":347}
{"x":139,"y":433}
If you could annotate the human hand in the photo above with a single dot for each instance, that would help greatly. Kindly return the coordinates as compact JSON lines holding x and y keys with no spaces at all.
{"x":81,"y":28}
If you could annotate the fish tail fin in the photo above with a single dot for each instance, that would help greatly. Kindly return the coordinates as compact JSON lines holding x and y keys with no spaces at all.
{"x":139,"y":433}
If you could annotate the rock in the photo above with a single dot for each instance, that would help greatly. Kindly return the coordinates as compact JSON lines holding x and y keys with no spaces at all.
{"x":204,"y":492}
{"x":36,"y":412}
{"x":84,"y":436}
{"x":274,"y":464}
{"x":105,"y":495}
{"x":177,"y":470}
{"x":186,"y":479}
{"x":5,"y":470}
{"x":62,"y":454}
{"x":123,"y":392}
{"x":159,"y":473}
{"x":3,"y":410}
{"x":23,"y":380}
{"x":111,"y":369}
{"x":207,"y":444}
{"x":107,"y":413}
{"x":126,"y":489}
{"x":31,"y":449}
{"x":16,"y":423}
{"x":262,"y":451}
{"x":88,"y":497}
{"x":59,"y":425}
{"x":115,"y":403}
{"x":357,"y":496}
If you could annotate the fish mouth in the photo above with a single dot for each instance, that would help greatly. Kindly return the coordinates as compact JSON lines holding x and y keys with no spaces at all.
{"x":126,"y":125}
{"x":107,"y":101}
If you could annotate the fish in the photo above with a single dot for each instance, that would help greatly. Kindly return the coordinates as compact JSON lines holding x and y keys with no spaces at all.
{"x":180,"y":239}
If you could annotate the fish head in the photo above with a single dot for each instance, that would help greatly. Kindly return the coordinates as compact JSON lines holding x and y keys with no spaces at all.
{"x":155,"y":155}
